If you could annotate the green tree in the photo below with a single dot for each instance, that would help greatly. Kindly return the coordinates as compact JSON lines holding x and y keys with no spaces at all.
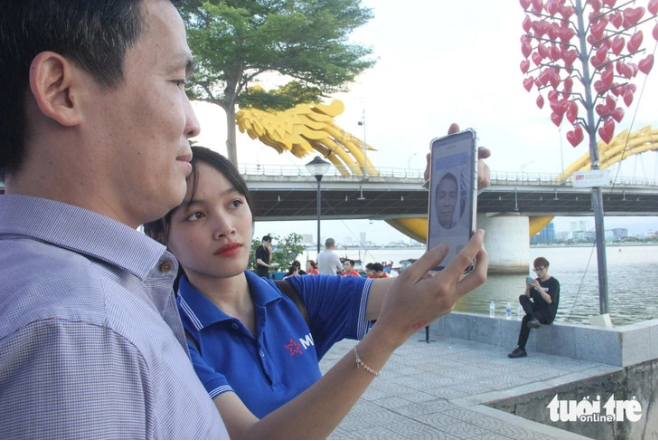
{"x":306,"y":41}
{"x":286,"y":249}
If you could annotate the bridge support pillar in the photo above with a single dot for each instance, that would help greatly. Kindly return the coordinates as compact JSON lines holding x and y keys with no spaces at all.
{"x":506,"y":241}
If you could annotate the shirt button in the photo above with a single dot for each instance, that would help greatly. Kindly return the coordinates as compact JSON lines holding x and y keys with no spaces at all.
{"x":235,"y":326}
{"x":262,"y":354}
{"x":165,"y":267}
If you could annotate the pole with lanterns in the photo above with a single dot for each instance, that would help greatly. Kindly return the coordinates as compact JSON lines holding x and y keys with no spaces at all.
{"x":603,"y":37}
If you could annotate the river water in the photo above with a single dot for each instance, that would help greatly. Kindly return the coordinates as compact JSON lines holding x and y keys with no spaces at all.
{"x":632,"y":297}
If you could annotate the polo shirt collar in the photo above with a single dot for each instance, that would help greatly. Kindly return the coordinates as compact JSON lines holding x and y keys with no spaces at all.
{"x":202,"y":312}
{"x":80,"y":230}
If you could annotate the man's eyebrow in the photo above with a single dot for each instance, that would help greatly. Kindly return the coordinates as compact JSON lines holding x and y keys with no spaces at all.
{"x":184,"y":59}
{"x":189,"y":66}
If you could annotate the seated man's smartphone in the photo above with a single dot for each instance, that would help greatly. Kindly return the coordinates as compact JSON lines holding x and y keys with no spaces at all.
{"x":453,"y":193}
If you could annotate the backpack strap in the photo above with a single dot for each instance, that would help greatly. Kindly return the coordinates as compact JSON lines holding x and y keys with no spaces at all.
{"x":290,"y":292}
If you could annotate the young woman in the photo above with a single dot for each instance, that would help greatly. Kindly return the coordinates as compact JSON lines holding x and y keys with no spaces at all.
{"x":298,"y":265}
{"x":311,"y":267}
{"x":251,"y":345}
{"x":292,"y":272}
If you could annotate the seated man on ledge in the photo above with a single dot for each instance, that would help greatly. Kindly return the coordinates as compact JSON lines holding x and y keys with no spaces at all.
{"x":540,"y":302}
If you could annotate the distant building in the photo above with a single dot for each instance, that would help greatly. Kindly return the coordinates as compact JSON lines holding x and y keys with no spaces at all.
{"x":362,"y":238}
{"x":577,"y":226}
{"x":589,"y":235}
{"x":618,"y":233}
{"x":307,"y":239}
{"x":546,"y":235}
{"x":578,"y":235}
{"x":651,"y":234}
{"x":562,"y":236}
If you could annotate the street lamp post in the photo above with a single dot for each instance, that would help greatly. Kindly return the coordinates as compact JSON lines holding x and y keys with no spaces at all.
{"x":409,"y":161}
{"x":318,"y":167}
{"x":524,"y":166}
{"x":365,"y":145}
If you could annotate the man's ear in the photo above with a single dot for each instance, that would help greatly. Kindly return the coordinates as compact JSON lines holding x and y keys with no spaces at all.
{"x":53,"y":84}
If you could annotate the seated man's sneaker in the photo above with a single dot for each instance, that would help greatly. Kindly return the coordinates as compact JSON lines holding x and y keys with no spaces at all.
{"x":518,"y":352}
{"x":533,"y":324}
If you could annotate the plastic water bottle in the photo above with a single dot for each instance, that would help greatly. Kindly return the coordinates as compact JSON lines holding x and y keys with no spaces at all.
{"x":492,"y":309}
{"x":508,"y":311}
{"x":520,"y":312}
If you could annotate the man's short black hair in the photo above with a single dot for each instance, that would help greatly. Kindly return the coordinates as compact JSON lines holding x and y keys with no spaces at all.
{"x":350,"y":261}
{"x":267,"y":238}
{"x":95,"y":34}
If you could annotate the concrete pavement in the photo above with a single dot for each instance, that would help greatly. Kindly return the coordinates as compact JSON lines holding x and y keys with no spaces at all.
{"x":437,"y":391}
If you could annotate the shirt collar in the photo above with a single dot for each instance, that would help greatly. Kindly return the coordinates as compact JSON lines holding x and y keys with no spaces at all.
{"x":202,"y":312}
{"x":80,"y":230}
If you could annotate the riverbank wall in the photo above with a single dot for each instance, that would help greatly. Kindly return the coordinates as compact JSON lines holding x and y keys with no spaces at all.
{"x":632,"y":348}
{"x":638,"y":383}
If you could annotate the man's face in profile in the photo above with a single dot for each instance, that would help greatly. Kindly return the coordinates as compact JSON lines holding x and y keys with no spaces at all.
{"x":446,"y":200}
{"x":147,"y":121}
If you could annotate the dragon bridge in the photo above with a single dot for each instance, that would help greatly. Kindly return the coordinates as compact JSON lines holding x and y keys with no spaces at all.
{"x":310,"y":128}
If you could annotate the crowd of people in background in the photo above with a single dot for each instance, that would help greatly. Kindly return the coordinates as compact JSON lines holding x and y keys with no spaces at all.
{"x":328,"y":261}
{"x":373,"y":270}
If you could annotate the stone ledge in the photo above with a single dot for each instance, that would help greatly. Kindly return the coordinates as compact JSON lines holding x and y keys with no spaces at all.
{"x":508,"y":269}
{"x":618,"y":346}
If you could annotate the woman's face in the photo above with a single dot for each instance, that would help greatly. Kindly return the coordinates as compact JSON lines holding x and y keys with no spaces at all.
{"x":309,"y":267}
{"x":211,"y":237}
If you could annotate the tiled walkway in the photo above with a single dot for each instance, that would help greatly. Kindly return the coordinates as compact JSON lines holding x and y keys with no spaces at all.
{"x":436,"y":391}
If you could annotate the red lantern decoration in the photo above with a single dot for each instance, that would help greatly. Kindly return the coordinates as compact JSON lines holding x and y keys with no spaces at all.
{"x":575,"y":136}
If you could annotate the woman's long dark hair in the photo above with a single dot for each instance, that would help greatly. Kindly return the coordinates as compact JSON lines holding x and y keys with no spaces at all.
{"x":159,"y":229}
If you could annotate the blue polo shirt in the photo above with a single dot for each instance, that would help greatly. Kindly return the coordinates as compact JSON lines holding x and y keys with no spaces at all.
{"x":281,"y":361}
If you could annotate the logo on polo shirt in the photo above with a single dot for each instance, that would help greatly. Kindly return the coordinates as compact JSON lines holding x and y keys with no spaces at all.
{"x":307,"y":341}
{"x":295,"y":348}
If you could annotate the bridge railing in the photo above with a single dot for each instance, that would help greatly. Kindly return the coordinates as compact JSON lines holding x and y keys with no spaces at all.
{"x":333,"y":172}
{"x":525,"y":178}
{"x":555,"y":178}
{"x":519,"y":178}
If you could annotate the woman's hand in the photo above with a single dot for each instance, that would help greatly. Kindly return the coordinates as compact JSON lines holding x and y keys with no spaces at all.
{"x":416,"y":300}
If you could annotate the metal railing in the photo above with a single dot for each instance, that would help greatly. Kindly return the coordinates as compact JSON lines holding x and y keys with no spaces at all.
{"x":520,"y":178}
{"x":355,"y":172}
{"x":555,"y":179}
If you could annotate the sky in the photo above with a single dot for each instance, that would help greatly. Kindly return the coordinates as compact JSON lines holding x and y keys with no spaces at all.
{"x":440,"y":62}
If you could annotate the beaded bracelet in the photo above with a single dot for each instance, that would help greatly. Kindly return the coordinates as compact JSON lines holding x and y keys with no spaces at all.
{"x":363,"y":365}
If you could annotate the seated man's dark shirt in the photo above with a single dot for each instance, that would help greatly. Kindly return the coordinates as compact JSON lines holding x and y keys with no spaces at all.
{"x":552,"y":288}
